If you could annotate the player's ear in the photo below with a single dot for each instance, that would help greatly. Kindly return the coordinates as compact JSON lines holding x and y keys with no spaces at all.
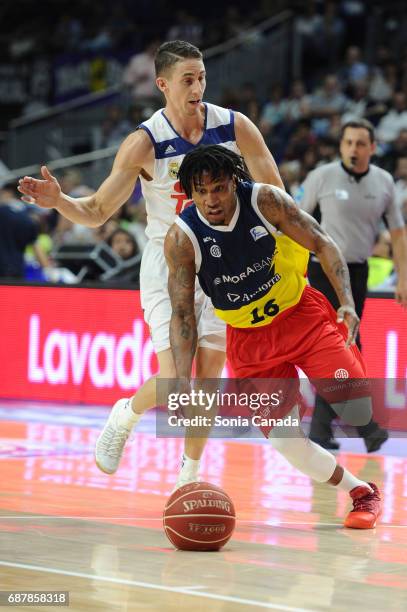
{"x":161,"y":83}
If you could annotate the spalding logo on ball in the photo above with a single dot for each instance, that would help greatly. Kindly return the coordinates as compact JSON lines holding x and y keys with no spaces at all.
{"x":199,"y":516}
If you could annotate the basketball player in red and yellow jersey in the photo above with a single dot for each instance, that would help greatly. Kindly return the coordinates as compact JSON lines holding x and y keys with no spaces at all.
{"x":274,"y":320}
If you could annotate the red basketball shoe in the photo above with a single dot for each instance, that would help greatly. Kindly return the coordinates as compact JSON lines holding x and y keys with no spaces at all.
{"x":366,"y":508}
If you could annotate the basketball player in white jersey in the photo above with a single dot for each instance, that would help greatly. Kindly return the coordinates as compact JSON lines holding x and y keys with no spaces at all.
{"x":154,"y":152}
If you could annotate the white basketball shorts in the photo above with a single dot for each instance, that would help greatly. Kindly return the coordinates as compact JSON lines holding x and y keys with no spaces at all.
{"x":155,"y":301}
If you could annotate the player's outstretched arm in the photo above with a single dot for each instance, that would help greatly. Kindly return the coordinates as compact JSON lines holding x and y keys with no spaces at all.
{"x":255,"y":152}
{"x":180,"y":257}
{"x":399,"y":245}
{"x":282,"y":212}
{"x":92,"y":210}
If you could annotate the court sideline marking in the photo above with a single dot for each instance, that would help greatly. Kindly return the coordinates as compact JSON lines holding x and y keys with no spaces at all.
{"x":157,"y":587}
{"x":159,"y":519}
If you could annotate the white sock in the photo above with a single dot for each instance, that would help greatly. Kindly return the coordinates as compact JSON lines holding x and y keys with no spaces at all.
{"x":189,"y":466}
{"x":126,"y":417}
{"x":349,"y":482}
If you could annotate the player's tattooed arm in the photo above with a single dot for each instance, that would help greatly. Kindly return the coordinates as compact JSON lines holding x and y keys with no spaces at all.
{"x":282,"y":212}
{"x":180,"y":257}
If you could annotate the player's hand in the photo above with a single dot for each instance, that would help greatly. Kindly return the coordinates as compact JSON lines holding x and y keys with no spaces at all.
{"x":401,"y":292}
{"x":178,"y":387}
{"x":348,"y":315}
{"x":44,"y":193}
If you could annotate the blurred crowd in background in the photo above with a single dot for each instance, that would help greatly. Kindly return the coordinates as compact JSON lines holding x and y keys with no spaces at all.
{"x":300,"y":120}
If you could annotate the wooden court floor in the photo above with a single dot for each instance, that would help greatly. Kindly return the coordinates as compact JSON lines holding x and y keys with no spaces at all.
{"x":65,"y":526}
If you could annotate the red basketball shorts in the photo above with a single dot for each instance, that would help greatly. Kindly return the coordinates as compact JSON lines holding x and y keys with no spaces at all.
{"x":306,"y":335}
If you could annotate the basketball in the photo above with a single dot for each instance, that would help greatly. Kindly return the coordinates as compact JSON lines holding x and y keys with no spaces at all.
{"x":199,"y":516}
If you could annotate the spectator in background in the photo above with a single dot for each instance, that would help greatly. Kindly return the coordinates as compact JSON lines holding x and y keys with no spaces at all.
{"x":401,"y":185}
{"x":297,"y":105}
{"x":395,"y":120}
{"x":125,"y":246}
{"x":271,"y":119}
{"x":133,"y":218}
{"x":66,"y":232}
{"x":18,"y":229}
{"x":274,"y":110}
{"x":357,"y":103}
{"x":383,"y":82}
{"x":103,"y":232}
{"x":307,"y":25}
{"x":300,"y":142}
{"x":330,"y":35}
{"x":396,"y":149}
{"x":354,"y":70}
{"x":334,"y":128}
{"x":139,"y":74}
{"x":290,"y":174}
{"x":329,"y":98}
{"x":248,"y":102}
{"x":327,"y":149}
{"x":230,"y":98}
{"x":114,"y":129}
{"x":186,"y":27}
{"x":122,"y":243}
{"x":381,"y":264}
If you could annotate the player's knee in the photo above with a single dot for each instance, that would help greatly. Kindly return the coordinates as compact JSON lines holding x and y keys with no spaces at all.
{"x":167,"y":371}
{"x":355,"y":411}
{"x":209,"y":362}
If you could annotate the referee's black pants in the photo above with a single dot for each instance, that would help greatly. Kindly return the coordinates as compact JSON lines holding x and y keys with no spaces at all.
{"x":323,"y":414}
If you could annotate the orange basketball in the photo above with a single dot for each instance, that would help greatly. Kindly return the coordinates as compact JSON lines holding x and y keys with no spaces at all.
{"x":199,"y":516}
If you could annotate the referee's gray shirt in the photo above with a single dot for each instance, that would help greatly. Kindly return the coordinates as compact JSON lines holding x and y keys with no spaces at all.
{"x":351,"y":208}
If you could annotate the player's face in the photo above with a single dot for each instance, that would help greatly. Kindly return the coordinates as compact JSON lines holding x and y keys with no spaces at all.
{"x":215,"y":198}
{"x":356,"y":149}
{"x":185,"y":85}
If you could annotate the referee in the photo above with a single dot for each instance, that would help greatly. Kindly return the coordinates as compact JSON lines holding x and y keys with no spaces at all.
{"x":350,"y":198}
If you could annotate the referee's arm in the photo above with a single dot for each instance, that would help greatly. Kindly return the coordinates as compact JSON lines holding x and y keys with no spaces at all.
{"x":307,"y":196}
{"x":395,"y":223}
{"x":399,"y":246}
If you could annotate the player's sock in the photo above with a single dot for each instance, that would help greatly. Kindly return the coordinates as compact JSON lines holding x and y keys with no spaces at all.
{"x":189,"y":471}
{"x":126,"y":417}
{"x":308,"y":457}
{"x":189,"y":468}
{"x":350,"y":482}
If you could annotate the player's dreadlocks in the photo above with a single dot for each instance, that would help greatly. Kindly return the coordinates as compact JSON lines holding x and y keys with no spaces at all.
{"x":214,"y":159}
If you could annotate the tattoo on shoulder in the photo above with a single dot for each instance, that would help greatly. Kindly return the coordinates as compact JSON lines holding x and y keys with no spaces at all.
{"x":178,"y":247}
{"x":276,"y":205}
{"x":180,"y":256}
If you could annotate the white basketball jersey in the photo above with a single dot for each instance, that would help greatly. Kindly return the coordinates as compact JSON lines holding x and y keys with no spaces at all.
{"x":163,"y":195}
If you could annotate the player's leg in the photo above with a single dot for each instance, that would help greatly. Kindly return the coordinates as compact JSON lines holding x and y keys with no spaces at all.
{"x":321,"y":357}
{"x":260,"y":353}
{"x":373,"y":435}
{"x":126,"y":412}
{"x":125,"y":415}
{"x":209,"y":363}
{"x":322,"y":415}
{"x":331,"y":366}
{"x":320,"y":465}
